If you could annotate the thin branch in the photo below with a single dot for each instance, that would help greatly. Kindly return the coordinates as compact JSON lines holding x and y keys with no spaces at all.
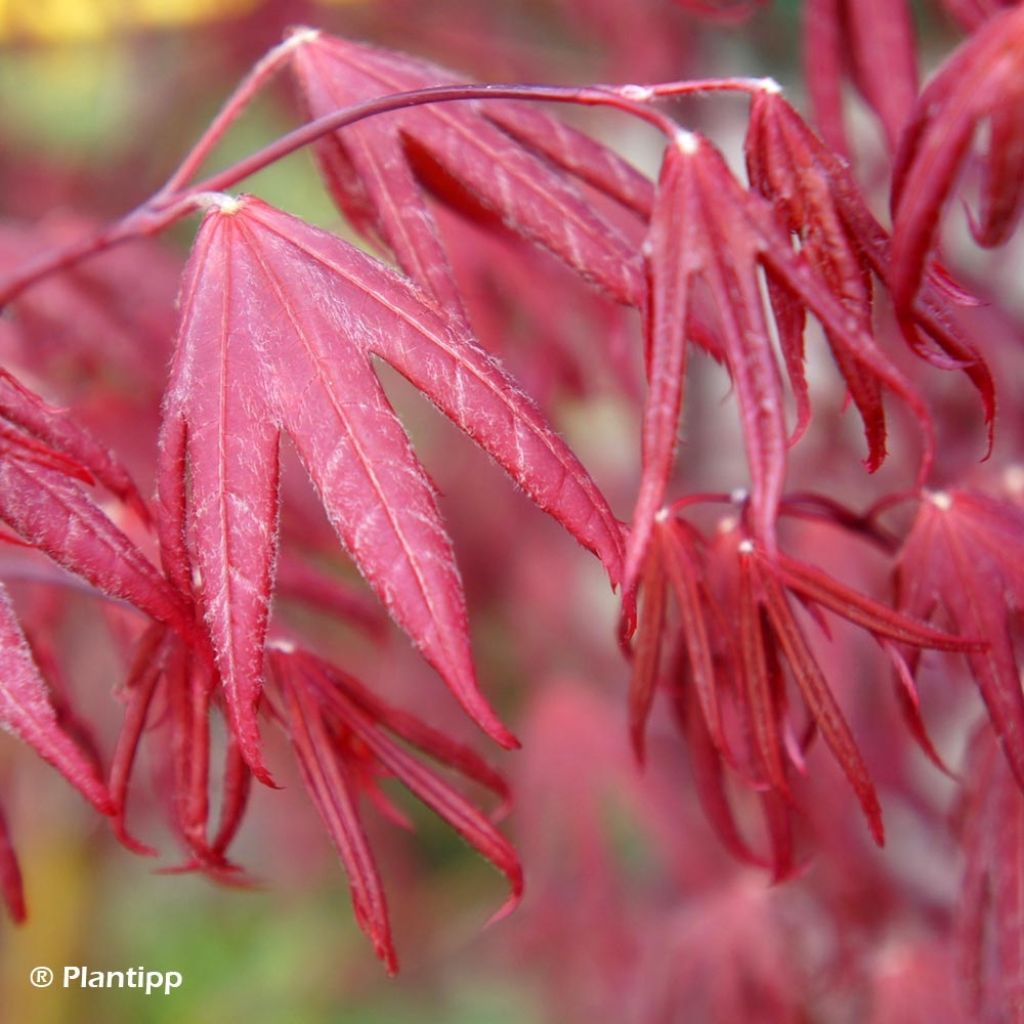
{"x":309,"y":133}
{"x":262,"y":72}
{"x":174,"y":201}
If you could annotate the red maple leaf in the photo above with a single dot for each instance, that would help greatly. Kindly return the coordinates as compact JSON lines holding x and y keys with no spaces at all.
{"x":964,"y":555}
{"x":739,"y":637}
{"x":816,"y":196}
{"x":279,"y":321}
{"x":340,"y":733}
{"x":45,"y":428}
{"x":45,"y":457}
{"x":177,"y":678}
{"x":26,"y":710}
{"x":982,"y":82}
{"x":707,"y":230}
{"x":873,"y":40}
{"x":500,"y":162}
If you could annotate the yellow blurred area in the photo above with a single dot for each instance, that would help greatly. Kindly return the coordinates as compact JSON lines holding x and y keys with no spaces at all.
{"x":57,"y":879}
{"x":68,"y":20}
{"x":67,"y":99}
{"x":56,"y":21}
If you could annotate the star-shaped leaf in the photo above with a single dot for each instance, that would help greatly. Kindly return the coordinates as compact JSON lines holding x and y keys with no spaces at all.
{"x":279,"y":321}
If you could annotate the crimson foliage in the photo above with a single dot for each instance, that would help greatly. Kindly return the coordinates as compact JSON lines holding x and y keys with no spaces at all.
{"x":481,"y":212}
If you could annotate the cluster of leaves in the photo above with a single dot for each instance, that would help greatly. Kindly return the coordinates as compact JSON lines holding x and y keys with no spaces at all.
{"x":280,"y":329}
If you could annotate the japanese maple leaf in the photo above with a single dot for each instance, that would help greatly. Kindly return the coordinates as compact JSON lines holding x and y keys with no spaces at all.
{"x":343,"y":740}
{"x":499,"y":162}
{"x":981,"y":84}
{"x":876,"y":39}
{"x":44,"y":458}
{"x":42,"y":424}
{"x":739,"y":637}
{"x":279,"y":321}
{"x":706,"y":229}
{"x":26,"y":711}
{"x":177,"y":678}
{"x":845,"y":243}
{"x":964,"y":554}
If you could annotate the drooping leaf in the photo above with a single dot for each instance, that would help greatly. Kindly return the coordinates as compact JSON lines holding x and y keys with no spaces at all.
{"x":436,"y":744}
{"x":485,"y":159}
{"x":816,"y":585}
{"x":673,"y":565}
{"x":340,"y":734}
{"x":56,"y":428}
{"x":983,"y":80}
{"x":818,"y":199}
{"x":737,"y":640}
{"x":149,"y":664}
{"x":874,"y":41}
{"x":709,"y":774}
{"x":708,"y":228}
{"x":680,"y":551}
{"x":673,"y":256}
{"x":54,"y":514}
{"x":26,"y":711}
{"x":335,"y":800}
{"x":279,"y":321}
{"x":188,"y":685}
{"x":440,"y":797}
{"x":819,"y":699}
{"x":910,"y":706}
{"x":169,"y":695}
{"x":758,"y":664}
{"x":964,"y":554}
